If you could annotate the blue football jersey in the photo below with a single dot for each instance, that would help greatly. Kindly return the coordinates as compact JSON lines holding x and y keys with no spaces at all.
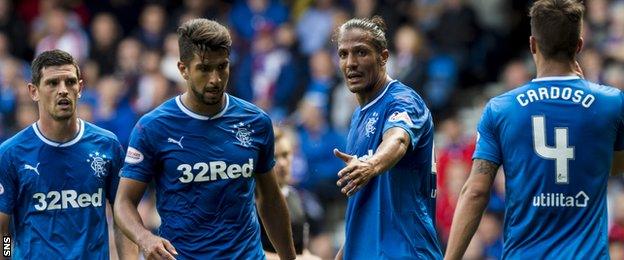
{"x":56,"y":192}
{"x":554,"y":138}
{"x":204,"y":172}
{"x":392,"y":217}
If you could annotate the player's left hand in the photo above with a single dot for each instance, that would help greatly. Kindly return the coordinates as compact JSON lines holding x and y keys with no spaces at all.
{"x":355,"y":175}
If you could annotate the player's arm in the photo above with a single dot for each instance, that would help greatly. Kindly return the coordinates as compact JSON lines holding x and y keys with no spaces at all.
{"x":274,"y":214}
{"x":129,"y":221}
{"x":617,"y":166}
{"x":356,"y":174}
{"x":126,"y":249}
{"x":473,"y":200}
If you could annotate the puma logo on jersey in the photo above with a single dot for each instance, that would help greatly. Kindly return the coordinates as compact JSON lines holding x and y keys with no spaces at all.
{"x":29,"y":167}
{"x":178,"y":142}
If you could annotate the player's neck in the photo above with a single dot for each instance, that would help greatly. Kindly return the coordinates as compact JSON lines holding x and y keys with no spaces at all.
{"x":59,"y":131}
{"x":551,"y":68}
{"x":367,"y":96}
{"x":200,"y":108}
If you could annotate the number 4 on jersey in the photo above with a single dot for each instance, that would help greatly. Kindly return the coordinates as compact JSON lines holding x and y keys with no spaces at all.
{"x":561,"y":153}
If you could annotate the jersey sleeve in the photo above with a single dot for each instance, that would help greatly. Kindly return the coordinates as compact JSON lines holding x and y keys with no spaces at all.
{"x":112,"y":181}
{"x":266,"y":158}
{"x":8,"y":184}
{"x":139,"y":160}
{"x":488,"y":147}
{"x":619,"y":139}
{"x":409,"y":114}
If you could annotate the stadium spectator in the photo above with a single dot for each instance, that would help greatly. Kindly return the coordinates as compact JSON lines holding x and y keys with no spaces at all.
{"x":613,"y":76}
{"x":113,"y":109}
{"x":317,"y":138}
{"x":266,"y":75}
{"x":296,"y":208}
{"x":105,"y":36}
{"x":59,"y":34}
{"x":151,"y":32}
{"x":315,"y":26}
{"x":250,"y":16}
{"x":409,"y":62}
{"x":14,"y":29}
{"x":169,"y":62}
{"x":614,"y":43}
{"x":454,"y":153}
{"x":592,"y":63}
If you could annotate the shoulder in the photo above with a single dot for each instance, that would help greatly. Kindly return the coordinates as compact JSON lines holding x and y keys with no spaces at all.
{"x":397,"y":91}
{"x":242,"y":108}
{"x":505,"y":100}
{"x":92,"y":129}
{"x":23,"y":137}
{"x":240,"y":105}
{"x":403,"y":96}
{"x":604,"y":90}
{"x":160,"y":113}
{"x":612,"y":99}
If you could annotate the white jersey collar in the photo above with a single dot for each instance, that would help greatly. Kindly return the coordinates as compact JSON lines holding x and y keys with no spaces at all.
{"x":380,"y":95}
{"x":555,"y":78}
{"x":81,"y":125}
{"x":192,"y":114}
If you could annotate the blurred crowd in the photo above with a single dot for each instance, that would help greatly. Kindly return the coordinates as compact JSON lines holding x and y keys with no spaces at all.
{"x":455,"y":53}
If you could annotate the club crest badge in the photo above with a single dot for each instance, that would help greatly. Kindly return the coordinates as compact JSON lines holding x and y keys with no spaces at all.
{"x":98,"y":164}
{"x":243,"y":134}
{"x":370,"y":124}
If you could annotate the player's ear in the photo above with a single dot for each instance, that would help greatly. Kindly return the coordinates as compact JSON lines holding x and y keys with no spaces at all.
{"x":183,"y":70}
{"x":33,"y":91}
{"x":80,"y":87}
{"x":533,"y":44}
{"x":579,"y":45}
{"x":384,"y":57}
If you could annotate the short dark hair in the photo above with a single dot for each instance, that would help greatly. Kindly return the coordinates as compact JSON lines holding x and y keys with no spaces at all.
{"x":51,"y":58}
{"x":202,"y":35}
{"x":556,"y":25}
{"x":376,"y":27}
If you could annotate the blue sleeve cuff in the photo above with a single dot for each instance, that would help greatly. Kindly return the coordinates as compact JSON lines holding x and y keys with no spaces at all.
{"x":5,"y":209}
{"x":135,"y":176}
{"x":409,"y":131}
{"x":266,"y":169}
{"x":487,"y":156}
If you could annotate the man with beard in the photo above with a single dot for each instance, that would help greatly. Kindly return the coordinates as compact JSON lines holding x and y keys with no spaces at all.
{"x":56,"y":174}
{"x":208,"y":153}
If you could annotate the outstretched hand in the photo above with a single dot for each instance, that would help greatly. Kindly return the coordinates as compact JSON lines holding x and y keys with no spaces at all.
{"x":355,"y":174}
{"x":155,"y":247}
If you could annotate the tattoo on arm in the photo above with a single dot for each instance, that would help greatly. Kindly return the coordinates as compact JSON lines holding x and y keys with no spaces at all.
{"x":484,"y":167}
